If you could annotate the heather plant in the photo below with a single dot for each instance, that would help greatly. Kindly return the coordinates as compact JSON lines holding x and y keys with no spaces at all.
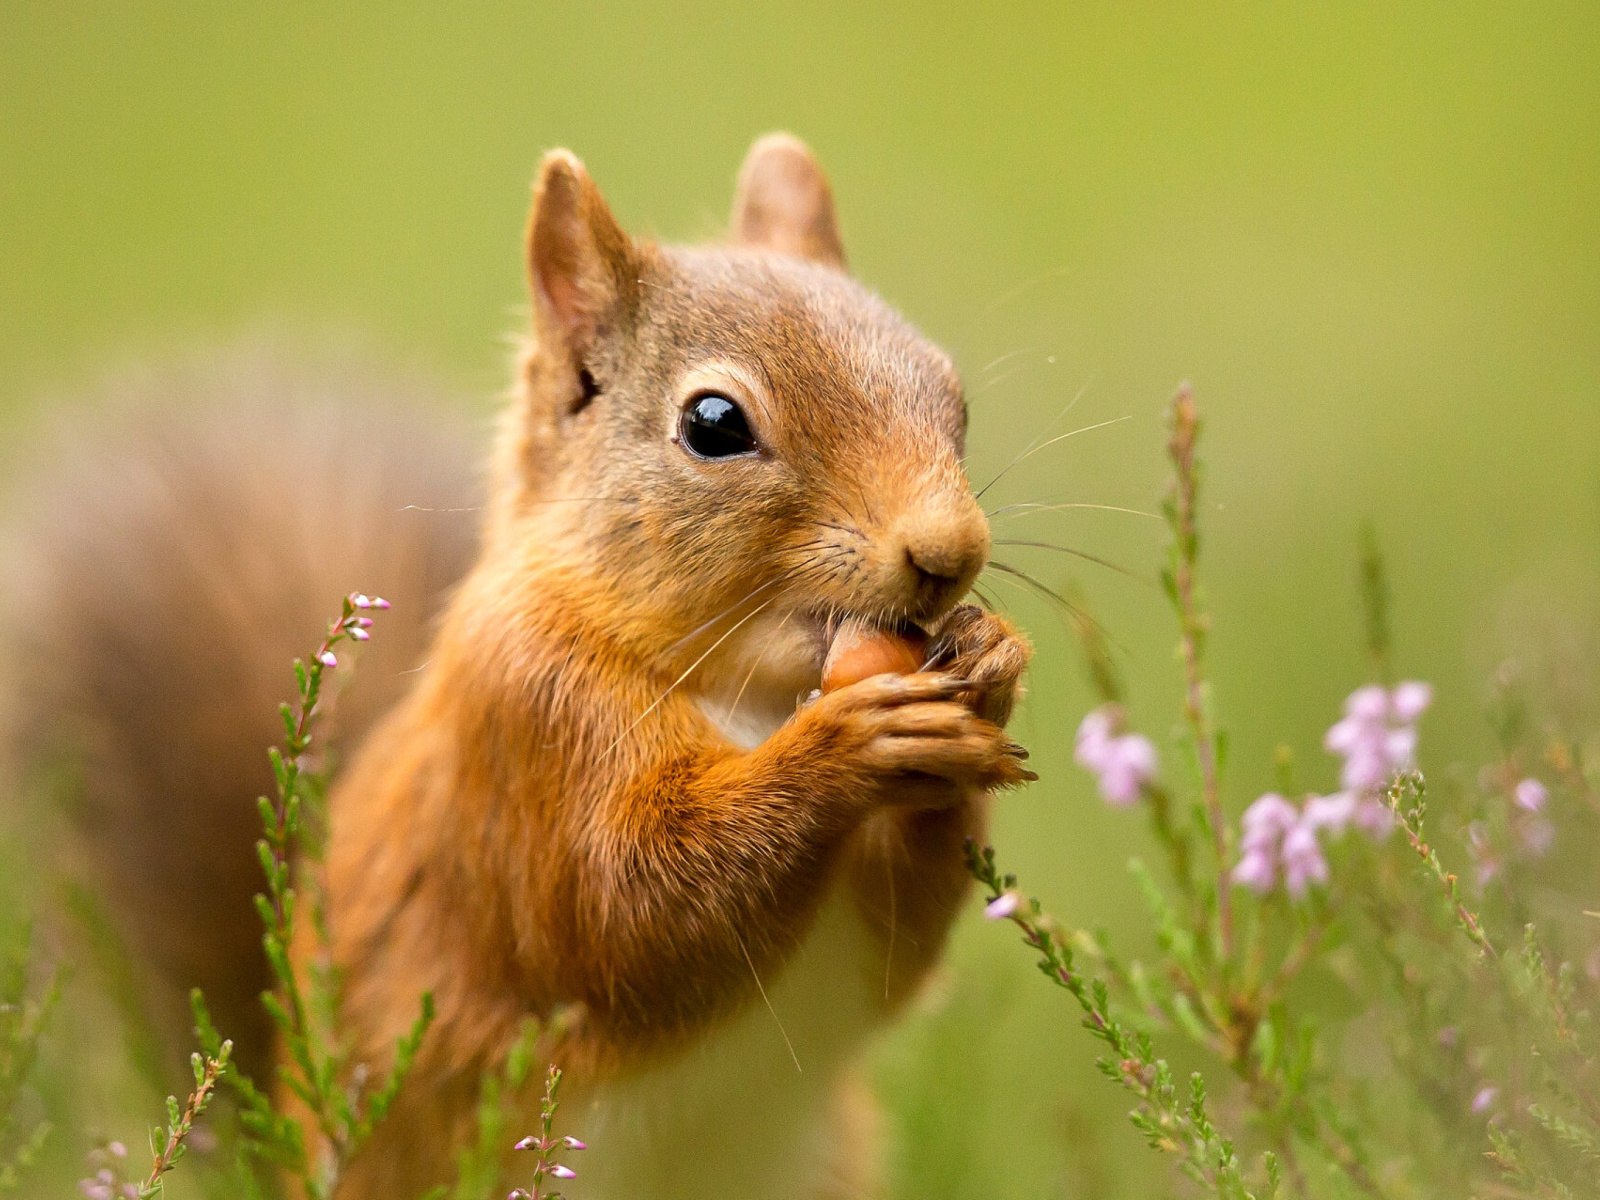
{"x":342,"y":1099}
{"x":1381,"y":1027}
{"x":25,"y":1007}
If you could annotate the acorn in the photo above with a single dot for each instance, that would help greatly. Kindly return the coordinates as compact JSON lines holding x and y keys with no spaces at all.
{"x":860,"y":651}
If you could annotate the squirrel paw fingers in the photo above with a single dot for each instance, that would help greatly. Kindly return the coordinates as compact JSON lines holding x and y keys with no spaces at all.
{"x":954,"y":746}
{"x":988,"y":652}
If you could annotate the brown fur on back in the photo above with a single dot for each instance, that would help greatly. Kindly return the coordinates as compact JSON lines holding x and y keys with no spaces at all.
{"x":174,"y":544}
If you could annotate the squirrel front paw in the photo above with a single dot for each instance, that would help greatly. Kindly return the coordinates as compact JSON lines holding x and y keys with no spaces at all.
{"x":912,"y":740}
{"x":987,"y":651}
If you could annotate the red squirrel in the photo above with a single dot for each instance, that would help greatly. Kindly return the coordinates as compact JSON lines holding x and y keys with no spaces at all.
{"x":615,"y":787}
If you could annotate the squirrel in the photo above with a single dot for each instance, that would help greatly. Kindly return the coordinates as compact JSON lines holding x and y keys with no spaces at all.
{"x":613,"y":787}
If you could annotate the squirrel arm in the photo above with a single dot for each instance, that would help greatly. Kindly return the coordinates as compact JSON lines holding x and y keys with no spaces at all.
{"x":703,"y":873}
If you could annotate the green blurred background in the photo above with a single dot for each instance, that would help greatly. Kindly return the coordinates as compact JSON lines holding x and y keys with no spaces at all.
{"x":1369,"y":233}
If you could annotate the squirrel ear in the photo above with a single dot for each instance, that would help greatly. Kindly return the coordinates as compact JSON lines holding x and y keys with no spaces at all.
{"x":581,"y":265}
{"x":783,"y":202}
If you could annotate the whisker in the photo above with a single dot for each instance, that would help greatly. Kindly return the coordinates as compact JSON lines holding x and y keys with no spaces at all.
{"x":1049,"y":425}
{"x":1046,"y":445}
{"x":1083,"y":554}
{"x":990,"y":384}
{"x":655,"y":704}
{"x":1073,"y":611}
{"x":748,"y":596}
{"x":753,"y":975}
{"x":993,"y":363}
{"x":1017,"y":510}
{"x":984,"y":598}
{"x":734,"y":707}
{"x":1007,"y":297}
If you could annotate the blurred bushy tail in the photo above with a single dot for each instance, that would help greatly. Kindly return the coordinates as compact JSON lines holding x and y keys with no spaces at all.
{"x":170,"y":551}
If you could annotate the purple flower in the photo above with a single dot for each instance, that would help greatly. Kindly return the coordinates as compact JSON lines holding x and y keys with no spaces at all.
{"x":359,"y":634}
{"x":561,"y":1172}
{"x":1256,"y":871}
{"x":1485,"y":1097}
{"x":1377,"y":738}
{"x":1333,"y":812}
{"x":1277,"y":838}
{"x":1531,"y":795}
{"x":1123,"y":762}
{"x":998,"y":909}
{"x":94,"y":1190}
{"x":573,"y":1143}
{"x":327,"y":659}
{"x":118,"y":1150}
{"x":1266,"y":821}
{"x":1411,"y":699}
{"x":1303,"y":863}
{"x":1374,"y":818}
{"x":1263,"y":827}
{"x":1370,"y":703}
{"x":528,"y":1143}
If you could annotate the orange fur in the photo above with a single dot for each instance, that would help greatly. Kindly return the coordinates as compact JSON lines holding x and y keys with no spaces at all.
{"x":607,"y":787}
{"x":549,"y":819}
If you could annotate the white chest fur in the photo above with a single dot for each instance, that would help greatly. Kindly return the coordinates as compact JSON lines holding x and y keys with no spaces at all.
{"x":746,"y":1113}
{"x":749,"y":1112}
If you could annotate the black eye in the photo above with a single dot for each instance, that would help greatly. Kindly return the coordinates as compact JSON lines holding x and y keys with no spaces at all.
{"x":713,"y":426}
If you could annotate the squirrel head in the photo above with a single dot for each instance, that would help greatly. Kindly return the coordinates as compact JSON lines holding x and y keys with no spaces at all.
{"x":739,"y":428}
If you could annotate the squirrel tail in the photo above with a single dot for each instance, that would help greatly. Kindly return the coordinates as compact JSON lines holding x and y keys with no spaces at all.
{"x":190,"y":535}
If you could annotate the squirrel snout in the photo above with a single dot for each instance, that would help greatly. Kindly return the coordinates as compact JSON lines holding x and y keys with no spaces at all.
{"x":944,"y":549}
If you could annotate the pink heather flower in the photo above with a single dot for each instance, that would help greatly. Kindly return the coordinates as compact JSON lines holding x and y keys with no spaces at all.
{"x":1094,"y":737}
{"x":528,"y":1143}
{"x":360,"y":634}
{"x":1377,"y":738}
{"x":118,"y":1150}
{"x":1374,"y":818}
{"x":1447,"y":1036}
{"x":1124,"y":763}
{"x":1130,"y":764}
{"x":1303,"y":863}
{"x":1263,"y":826}
{"x":561,"y":1172}
{"x":573,"y":1143}
{"x":998,"y":909}
{"x":1367,"y":704}
{"x":1276,"y":837}
{"x":519,"y":1194}
{"x":1530,"y":794}
{"x":1411,"y":699}
{"x":94,"y":1190}
{"x":327,"y":659}
{"x":1266,"y":821}
{"x":1333,"y":813}
{"x":1484,"y":1098}
{"x":1256,"y":871}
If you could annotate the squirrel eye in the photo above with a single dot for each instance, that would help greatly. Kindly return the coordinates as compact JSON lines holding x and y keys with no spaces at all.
{"x":713,"y":426}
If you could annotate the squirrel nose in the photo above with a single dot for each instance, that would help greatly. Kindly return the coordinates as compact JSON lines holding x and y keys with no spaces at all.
{"x":946,"y":546}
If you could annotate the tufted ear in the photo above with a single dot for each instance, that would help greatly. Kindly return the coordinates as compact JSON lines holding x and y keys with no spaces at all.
{"x":582,"y":267}
{"x":783,"y":202}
